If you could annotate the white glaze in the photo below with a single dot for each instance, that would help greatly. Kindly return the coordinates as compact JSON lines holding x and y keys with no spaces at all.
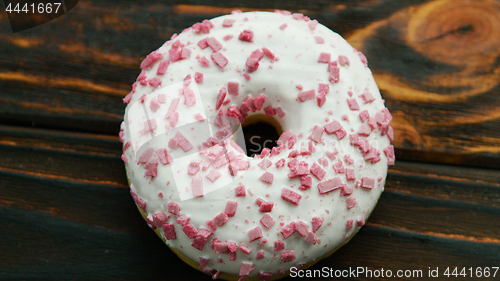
{"x":298,"y":64}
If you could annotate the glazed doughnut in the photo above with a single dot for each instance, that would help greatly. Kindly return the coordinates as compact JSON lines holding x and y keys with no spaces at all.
{"x":231,"y":215}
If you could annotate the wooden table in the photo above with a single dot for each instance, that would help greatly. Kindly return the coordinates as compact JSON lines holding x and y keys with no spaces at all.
{"x":65,"y":208}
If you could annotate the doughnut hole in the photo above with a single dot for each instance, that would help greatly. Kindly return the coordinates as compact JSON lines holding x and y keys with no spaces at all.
{"x":260,"y":131}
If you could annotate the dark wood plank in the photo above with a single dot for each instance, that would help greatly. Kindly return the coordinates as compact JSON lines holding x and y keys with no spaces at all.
{"x":62,"y":220}
{"x":443,"y":90}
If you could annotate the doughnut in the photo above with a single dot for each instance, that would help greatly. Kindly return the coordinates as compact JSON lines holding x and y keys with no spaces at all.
{"x":256,"y":217}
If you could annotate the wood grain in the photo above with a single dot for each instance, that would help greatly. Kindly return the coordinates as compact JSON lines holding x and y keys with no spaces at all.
{"x":437,"y":67}
{"x":67,"y":214}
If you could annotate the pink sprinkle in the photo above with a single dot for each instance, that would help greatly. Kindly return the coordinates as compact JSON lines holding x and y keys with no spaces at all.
{"x":252,"y":62}
{"x":240,"y":191}
{"x":343,"y":60}
{"x":204,"y":233}
{"x":390,"y":133}
{"x":231,"y":208}
{"x":325,"y":88}
{"x":338,"y":166}
{"x":145,"y":156}
{"x":316,"y":223}
{"x":367,"y":182}
{"x":389,"y":152}
{"x":363,"y":115}
{"x":185,"y":53}
{"x":198,"y":77}
{"x":220,"y":98}
{"x":159,"y":219}
{"x":297,"y":16}
{"x":199,"y":243}
{"x":246,"y":35}
{"x":259,"y":201}
{"x":219,"y":59}
{"x":270,"y":111}
{"x":364,"y":130}
{"x":363,"y":59}
{"x":340,"y":134}
{"x":175,"y":54}
{"x":246,"y":268}
{"x":154,"y":104}
{"x":227,"y":37}
{"x":329,"y":185}
{"x":267,"y":221}
{"x":233,"y":88}
{"x":290,"y":196}
{"x":245,"y":249}
{"x":287,"y":256}
{"x":221,"y":219}
{"x":174,"y":117}
{"x":279,"y":245}
{"x":319,"y":40}
{"x":199,"y":117}
{"x":312,"y":238}
{"x":268,"y":53}
{"x":190,"y":231}
{"x":204,"y":62}
{"x":347,"y":190}
{"x":333,"y":127}
{"x":283,"y":26}
{"x":194,"y":167}
{"x":317,"y":133}
{"x":169,"y":231}
{"x":228,"y":22}
{"x":350,"y":174}
{"x":360,"y":222}
{"x":353,"y":104}
{"x":174,"y":208}
{"x":189,"y":98}
{"x":259,"y":101}
{"x":306,"y":95}
{"x":203,"y":43}
{"x":351,"y":203}
{"x":324,"y":57}
{"x":232,"y":246}
{"x":213,"y":175}
{"x":151,"y":59}
{"x":151,"y":170}
{"x":255,"y":233}
{"x":280,"y":163}
{"x":267,"y":178}
{"x":317,"y":171}
{"x":302,"y":228}
{"x":321,"y":98}
{"x":260,"y":255}
{"x":212,"y":225}
{"x":197,"y":186}
{"x":349,"y":224}
{"x":334,"y":74}
{"x":266,"y":207}
{"x":203,"y":262}
{"x":264,"y":164}
{"x":312,"y":24}
{"x":220,"y":247}
{"x":162,"y":68}
{"x":214,"y":44}
{"x":183,"y":142}
{"x":306,"y":181}
{"x":367,"y":97}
